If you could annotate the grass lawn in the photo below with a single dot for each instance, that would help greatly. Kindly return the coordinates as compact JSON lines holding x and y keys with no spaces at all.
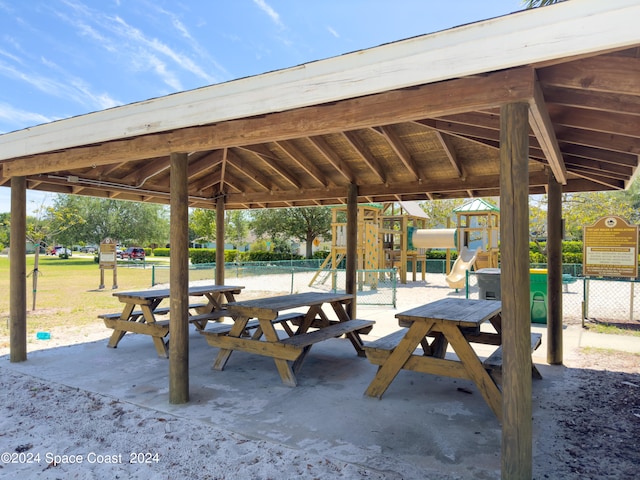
{"x":68,"y":296}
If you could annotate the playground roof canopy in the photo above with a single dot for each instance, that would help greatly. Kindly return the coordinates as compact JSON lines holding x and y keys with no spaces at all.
{"x":477,"y":205}
{"x":416,"y":119}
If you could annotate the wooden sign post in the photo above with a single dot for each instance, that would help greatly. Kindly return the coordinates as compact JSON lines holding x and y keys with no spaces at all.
{"x":108,"y":261}
{"x":611,"y":248}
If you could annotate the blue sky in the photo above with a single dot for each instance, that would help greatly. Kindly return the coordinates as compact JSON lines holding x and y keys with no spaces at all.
{"x":62,"y":58}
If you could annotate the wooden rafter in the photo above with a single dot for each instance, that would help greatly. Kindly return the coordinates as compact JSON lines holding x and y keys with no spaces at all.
{"x":202,"y":161}
{"x":223,"y":170}
{"x":247,"y":170}
{"x":450,"y":150}
{"x":365,"y":154}
{"x":604,"y":141}
{"x":271,"y":161}
{"x":605,"y":73}
{"x":401,"y":150}
{"x":604,"y":122}
{"x":332,"y":157}
{"x":140,"y":176}
{"x":541,"y":124}
{"x":299,"y":158}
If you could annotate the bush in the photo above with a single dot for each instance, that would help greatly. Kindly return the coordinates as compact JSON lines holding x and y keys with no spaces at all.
{"x":202,"y":255}
{"x":572,"y":247}
{"x":441,"y":254}
{"x":572,"y":258}
{"x":258,"y":256}
{"x":160,"y":252}
{"x":537,"y":257}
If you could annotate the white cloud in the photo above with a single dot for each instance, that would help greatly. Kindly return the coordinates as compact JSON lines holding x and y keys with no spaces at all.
{"x":69,"y":87}
{"x":102,"y":100}
{"x":333,"y":32}
{"x":266,"y":8}
{"x":161,"y":69}
{"x":121,"y":37}
{"x":10,"y":56}
{"x":21,"y":118}
{"x":195,"y":45}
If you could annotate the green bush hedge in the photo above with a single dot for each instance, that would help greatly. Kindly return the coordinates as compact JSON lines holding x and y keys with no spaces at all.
{"x":441,"y":254}
{"x":571,"y":252}
{"x":202,"y":255}
{"x":260,"y":256}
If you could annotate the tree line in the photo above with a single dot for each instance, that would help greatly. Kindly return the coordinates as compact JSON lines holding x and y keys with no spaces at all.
{"x":80,"y":220}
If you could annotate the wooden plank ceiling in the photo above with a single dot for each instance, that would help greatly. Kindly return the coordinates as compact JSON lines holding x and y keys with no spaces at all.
{"x":427,"y":142}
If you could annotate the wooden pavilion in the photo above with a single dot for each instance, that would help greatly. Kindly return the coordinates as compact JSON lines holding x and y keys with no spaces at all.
{"x":543,"y":100}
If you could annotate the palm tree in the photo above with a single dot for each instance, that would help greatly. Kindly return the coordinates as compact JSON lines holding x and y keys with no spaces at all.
{"x":539,"y":3}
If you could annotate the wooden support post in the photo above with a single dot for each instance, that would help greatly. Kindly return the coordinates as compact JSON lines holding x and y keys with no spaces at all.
{"x":18,"y":271}
{"x":516,"y":323}
{"x":179,"y":282}
{"x":220,"y":240}
{"x":352,"y":246}
{"x":404,"y":245}
{"x":554,"y":277}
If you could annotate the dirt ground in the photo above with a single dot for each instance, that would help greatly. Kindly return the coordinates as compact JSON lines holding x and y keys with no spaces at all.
{"x":594,"y":429}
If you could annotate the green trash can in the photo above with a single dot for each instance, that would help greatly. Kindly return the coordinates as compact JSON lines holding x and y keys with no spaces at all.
{"x":538,"y":295}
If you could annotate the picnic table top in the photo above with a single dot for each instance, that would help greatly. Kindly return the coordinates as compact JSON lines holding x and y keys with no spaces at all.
{"x":285,"y":302}
{"x":165,"y":292}
{"x":465,"y":312}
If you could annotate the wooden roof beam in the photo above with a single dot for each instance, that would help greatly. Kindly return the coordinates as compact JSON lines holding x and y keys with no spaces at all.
{"x":607,"y":182}
{"x":332,"y":157}
{"x":207,"y":181}
{"x":604,"y":122}
{"x":271,"y":161}
{"x":363,"y":151}
{"x":100,"y":171}
{"x":234,"y":160}
{"x":223,"y":170}
{"x":450,"y":150}
{"x":151,"y":168}
{"x":199,"y":162}
{"x":604,"y":73}
{"x":607,"y":102}
{"x":605,"y":141}
{"x":298,"y":157}
{"x":542,"y":127}
{"x":401,"y":150}
{"x":370,"y":192}
{"x":615,"y":158}
{"x":436,"y":99}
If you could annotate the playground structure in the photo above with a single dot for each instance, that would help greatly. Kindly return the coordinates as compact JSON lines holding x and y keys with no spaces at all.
{"x":393,"y":235}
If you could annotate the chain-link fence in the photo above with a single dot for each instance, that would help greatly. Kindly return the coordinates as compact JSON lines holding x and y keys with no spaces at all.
{"x":374,"y":287}
{"x":606,"y":300}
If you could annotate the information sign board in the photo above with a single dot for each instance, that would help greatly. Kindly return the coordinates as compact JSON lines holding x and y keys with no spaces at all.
{"x":611,"y":248}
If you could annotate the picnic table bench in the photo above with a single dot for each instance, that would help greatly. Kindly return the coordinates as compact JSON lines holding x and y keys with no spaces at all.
{"x":141,"y":309}
{"x":268,"y":312}
{"x":434,"y":326}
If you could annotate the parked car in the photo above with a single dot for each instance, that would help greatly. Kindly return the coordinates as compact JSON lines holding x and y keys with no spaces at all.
{"x":133,"y":253}
{"x":60,"y":250}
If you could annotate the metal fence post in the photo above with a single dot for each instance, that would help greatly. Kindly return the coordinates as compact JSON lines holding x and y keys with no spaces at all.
{"x":631,"y":295}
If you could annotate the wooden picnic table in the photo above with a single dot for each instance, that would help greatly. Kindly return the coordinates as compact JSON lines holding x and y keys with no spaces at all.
{"x":294,"y":348}
{"x":142,"y":307}
{"x":434,"y":326}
